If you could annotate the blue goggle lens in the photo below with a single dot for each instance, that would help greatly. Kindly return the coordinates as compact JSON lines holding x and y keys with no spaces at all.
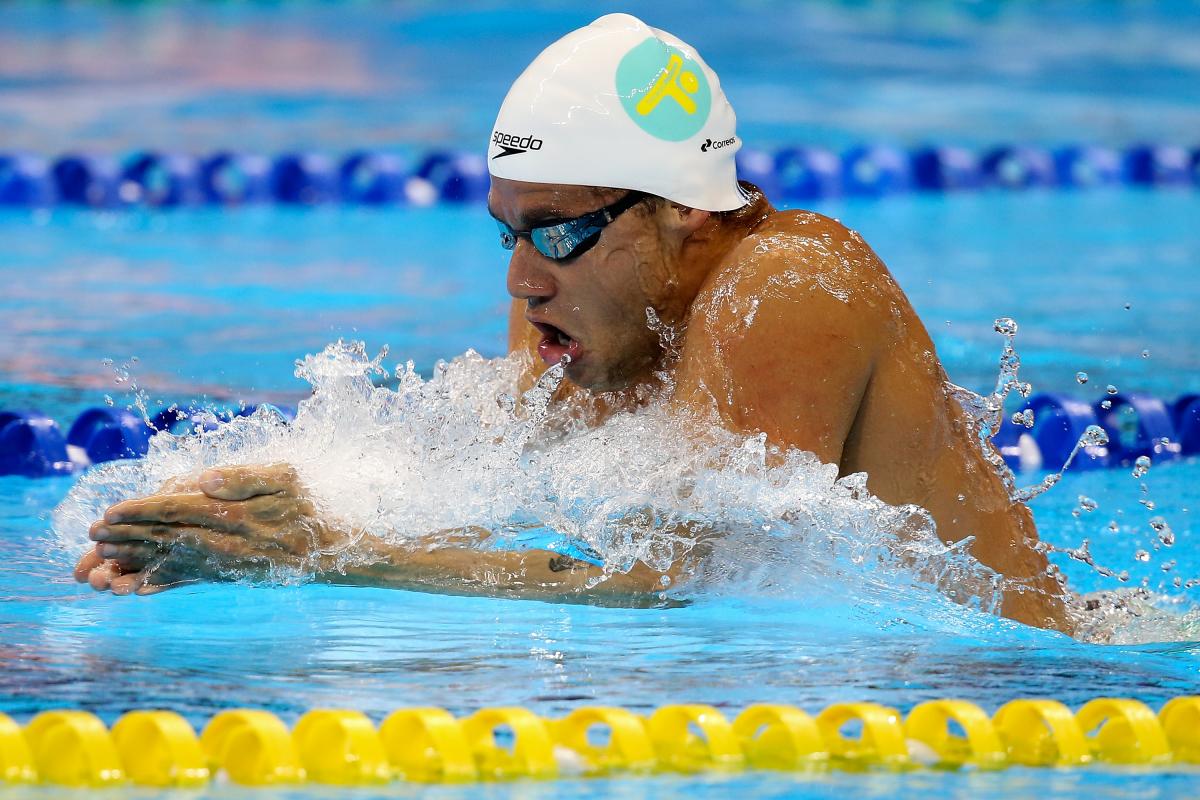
{"x":564,"y":239}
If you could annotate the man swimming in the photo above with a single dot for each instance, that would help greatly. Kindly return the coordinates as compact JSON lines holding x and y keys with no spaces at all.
{"x":615,"y":190}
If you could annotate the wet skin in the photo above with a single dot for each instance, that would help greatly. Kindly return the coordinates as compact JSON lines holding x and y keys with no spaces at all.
{"x":787,"y":323}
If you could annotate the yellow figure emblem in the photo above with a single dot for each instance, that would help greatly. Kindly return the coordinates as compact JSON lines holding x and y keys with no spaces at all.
{"x":673,"y":82}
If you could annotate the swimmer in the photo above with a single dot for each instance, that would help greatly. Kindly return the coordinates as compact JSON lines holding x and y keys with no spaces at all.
{"x":615,"y":191}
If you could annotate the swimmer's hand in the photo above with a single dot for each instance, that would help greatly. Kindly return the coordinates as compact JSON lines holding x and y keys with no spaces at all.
{"x":228,"y":521}
{"x":238,"y":522}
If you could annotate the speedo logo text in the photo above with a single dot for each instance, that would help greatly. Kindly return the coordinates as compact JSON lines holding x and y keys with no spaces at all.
{"x":511,"y":144}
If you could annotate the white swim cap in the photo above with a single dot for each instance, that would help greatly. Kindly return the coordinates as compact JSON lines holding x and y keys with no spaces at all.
{"x":621,"y":104}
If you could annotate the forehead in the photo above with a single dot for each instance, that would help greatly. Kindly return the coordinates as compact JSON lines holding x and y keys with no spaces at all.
{"x":523,"y":204}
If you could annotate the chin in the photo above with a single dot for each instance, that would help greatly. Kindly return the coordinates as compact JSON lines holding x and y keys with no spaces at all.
{"x":595,"y":378}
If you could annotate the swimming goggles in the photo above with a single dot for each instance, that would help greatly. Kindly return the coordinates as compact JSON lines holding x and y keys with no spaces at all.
{"x":571,"y":237}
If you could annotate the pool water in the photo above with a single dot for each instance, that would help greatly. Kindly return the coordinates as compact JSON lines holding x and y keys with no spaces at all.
{"x":218,"y":305}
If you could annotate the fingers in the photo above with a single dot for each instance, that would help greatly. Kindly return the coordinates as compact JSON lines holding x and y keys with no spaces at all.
{"x":156,"y":535}
{"x":180,"y":483}
{"x":127,"y":584}
{"x":88,"y":562}
{"x":102,"y":576}
{"x":244,"y":482}
{"x":131,"y":556}
{"x":179,"y":509}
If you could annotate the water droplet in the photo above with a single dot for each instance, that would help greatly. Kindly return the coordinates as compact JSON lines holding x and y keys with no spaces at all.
{"x":108,"y":401}
{"x":1123,"y":575}
{"x":1128,"y":306}
{"x":1167,"y":566}
{"x":1142,"y":555}
{"x":1145,"y":354}
{"x":1006,"y":326}
{"x":1023,"y":418}
{"x":1094,"y":436}
{"x":1113,"y":527}
{"x":1141,"y":466}
{"x":962,"y":498}
{"x":1106,"y":404}
{"x":1177,"y":582}
{"x":1081,"y":378}
{"x":1087,"y":504}
{"x":1165,"y":534}
{"x":1110,"y":389}
{"x":108,"y":362}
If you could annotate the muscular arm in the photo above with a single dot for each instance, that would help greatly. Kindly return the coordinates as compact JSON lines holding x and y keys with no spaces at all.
{"x":538,"y":574}
{"x":784,"y":340}
{"x":806,"y":336}
{"x":241,"y":521}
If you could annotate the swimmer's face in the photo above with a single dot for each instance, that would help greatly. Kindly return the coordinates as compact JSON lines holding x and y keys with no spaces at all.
{"x":592,"y":306}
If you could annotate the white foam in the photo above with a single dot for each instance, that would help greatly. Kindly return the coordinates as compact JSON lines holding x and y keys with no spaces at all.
{"x":460,"y":450}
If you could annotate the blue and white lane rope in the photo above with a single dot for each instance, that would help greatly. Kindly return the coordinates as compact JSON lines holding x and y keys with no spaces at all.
{"x":150,"y":179}
{"x":1138,"y":425}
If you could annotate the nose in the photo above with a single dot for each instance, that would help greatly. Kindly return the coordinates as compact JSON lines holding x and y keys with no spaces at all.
{"x":529,"y":276}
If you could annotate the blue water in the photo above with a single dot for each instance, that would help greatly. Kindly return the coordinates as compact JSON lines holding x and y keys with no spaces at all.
{"x":218,"y":305}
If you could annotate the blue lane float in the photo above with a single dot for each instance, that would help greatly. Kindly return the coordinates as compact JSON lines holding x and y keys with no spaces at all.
{"x":106,"y":434}
{"x":304,"y":179}
{"x":1187,"y":424}
{"x":1137,"y":425}
{"x":944,"y":169}
{"x":161,"y":180}
{"x":228,"y":178}
{"x":1158,"y":165}
{"x":1058,"y":423}
{"x":1087,"y":166}
{"x":26,"y":180}
{"x":1018,"y":167}
{"x":372,"y":178}
{"x":376,"y":177}
{"x":806,"y":173}
{"x":88,"y":180}
{"x":875,"y":171}
{"x":456,"y":177}
{"x":33,"y":445}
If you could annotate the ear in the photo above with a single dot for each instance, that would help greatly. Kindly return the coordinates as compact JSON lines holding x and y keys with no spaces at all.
{"x":690,"y":219}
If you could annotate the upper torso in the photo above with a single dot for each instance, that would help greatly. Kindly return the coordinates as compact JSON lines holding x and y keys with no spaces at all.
{"x":802,"y":333}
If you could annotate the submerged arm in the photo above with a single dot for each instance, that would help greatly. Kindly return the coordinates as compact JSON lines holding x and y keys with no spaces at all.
{"x":240,"y":521}
{"x":533,"y":574}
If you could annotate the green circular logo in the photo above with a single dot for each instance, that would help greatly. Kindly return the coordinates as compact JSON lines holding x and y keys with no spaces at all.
{"x":663,"y":90}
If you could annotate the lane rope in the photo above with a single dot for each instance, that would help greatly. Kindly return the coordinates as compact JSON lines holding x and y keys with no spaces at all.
{"x":152,"y":179}
{"x":1040,"y":435}
{"x":341,"y":747}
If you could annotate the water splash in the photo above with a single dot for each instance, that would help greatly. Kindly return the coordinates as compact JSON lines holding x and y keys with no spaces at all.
{"x":462,"y":449}
{"x":429,"y":457}
{"x":987,"y":413}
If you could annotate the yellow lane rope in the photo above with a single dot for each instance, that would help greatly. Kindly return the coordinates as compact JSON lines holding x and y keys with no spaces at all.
{"x":429,"y":745}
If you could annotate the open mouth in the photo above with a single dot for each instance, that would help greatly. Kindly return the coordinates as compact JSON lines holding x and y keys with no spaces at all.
{"x":556,"y":343}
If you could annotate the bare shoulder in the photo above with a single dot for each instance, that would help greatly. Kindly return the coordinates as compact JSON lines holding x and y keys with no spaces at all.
{"x":785,"y":334}
{"x":808,"y":268}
